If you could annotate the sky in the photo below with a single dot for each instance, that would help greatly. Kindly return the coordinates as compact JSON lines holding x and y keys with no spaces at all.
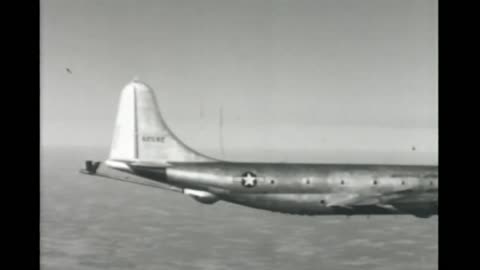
{"x":293,"y":78}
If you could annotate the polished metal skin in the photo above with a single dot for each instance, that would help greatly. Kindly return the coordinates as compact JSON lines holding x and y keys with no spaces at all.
{"x":145,"y":147}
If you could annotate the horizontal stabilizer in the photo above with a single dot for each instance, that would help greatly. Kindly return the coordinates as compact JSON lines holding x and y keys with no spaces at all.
{"x":91,"y":167}
{"x":104,"y":171}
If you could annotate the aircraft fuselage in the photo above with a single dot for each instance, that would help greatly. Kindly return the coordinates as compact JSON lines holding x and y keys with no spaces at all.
{"x":310,"y":189}
{"x":144,"y":146}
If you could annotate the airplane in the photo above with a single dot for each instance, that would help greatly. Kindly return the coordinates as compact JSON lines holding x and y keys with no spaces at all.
{"x":145,"y":151}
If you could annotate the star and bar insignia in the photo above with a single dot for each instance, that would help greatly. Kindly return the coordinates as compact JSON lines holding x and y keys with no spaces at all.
{"x":249,"y":179}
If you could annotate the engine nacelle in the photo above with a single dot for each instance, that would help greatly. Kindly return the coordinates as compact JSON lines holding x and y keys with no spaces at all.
{"x":201,"y":196}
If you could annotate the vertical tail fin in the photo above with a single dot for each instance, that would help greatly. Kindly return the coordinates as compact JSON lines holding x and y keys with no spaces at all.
{"x":141,"y":134}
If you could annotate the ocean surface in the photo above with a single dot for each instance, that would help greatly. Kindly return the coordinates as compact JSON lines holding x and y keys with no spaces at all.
{"x":96,"y":223}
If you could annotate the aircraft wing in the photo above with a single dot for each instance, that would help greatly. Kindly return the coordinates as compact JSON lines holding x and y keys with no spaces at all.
{"x":101,"y":170}
{"x":351,"y":200}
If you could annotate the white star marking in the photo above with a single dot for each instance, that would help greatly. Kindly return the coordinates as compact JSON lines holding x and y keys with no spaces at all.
{"x":249,"y":180}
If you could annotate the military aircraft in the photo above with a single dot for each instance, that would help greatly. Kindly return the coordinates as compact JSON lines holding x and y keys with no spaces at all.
{"x":145,"y":151}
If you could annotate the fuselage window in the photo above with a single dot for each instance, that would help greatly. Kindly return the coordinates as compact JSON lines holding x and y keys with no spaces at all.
{"x":375,"y":182}
{"x":342,"y":182}
{"x":403,"y":182}
{"x":272,"y":181}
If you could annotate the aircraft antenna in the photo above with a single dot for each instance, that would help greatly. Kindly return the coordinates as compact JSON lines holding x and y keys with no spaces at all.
{"x":221,"y":131}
